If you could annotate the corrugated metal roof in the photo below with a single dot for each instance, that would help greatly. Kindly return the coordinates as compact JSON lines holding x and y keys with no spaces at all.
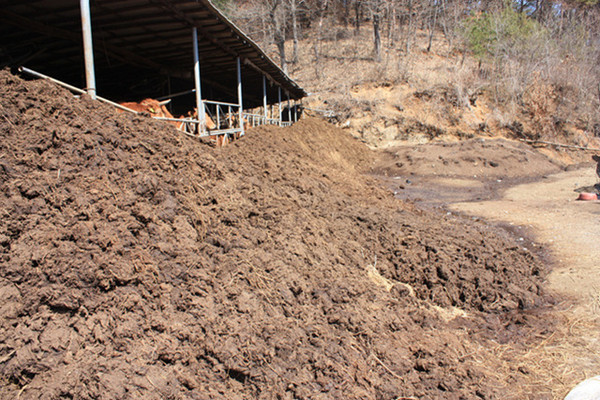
{"x":143,"y":48}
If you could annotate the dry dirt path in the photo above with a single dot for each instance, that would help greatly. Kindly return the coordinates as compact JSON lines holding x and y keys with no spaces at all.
{"x":570,"y":231}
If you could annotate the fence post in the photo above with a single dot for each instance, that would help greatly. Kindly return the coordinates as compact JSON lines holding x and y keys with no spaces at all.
{"x":279,"y":104}
{"x":265,"y":98}
{"x":199,"y":105}
{"x":295,"y":111}
{"x":289,"y":108}
{"x":239,"y":89}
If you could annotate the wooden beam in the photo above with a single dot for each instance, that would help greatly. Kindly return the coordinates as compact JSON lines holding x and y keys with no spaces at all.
{"x":169,"y":34}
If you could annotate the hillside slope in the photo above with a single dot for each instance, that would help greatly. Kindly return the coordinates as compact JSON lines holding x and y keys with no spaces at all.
{"x":136,"y":262}
{"x":443,"y":94}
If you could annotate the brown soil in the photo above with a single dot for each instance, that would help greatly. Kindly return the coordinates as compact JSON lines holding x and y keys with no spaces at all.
{"x":529,"y":194}
{"x":435,"y":174}
{"x":139,"y":263}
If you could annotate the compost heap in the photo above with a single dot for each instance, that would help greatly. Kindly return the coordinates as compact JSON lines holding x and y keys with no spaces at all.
{"x":137,"y":262}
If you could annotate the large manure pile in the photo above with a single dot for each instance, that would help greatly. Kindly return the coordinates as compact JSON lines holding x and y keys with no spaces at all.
{"x":138,"y":263}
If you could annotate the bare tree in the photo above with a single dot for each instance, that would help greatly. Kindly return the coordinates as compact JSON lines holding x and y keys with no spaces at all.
{"x":411,"y":26}
{"x":277,"y":19}
{"x":391,"y":25}
{"x":434,"y":6}
{"x":376,"y":10}
{"x":294,"y":13}
{"x":322,"y":4}
{"x":357,"y":15}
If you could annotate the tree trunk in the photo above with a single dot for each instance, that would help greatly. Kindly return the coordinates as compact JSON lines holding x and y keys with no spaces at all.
{"x":445,"y":22}
{"x":280,"y":42}
{"x":377,"y":35}
{"x":409,"y":26}
{"x":293,"y":10}
{"x":432,"y":26}
{"x":357,"y":13}
{"x":278,"y":25}
{"x":391,"y":24}
{"x":318,"y":39}
{"x":265,"y":32}
{"x":346,"y":16}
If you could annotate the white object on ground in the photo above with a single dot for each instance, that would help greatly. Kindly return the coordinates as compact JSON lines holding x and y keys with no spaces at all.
{"x":586,"y":390}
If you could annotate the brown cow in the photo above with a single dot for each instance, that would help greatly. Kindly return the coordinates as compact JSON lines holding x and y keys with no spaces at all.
{"x":154,"y":107}
{"x":222,"y":140}
{"x":209,"y":123}
{"x":233,"y":121}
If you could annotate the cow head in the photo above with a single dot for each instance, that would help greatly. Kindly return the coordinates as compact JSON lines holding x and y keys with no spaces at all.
{"x":156,"y":108}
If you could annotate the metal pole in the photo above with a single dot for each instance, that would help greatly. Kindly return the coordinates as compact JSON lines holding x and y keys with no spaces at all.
{"x":265,"y":97}
{"x":279,"y":104}
{"x":239,"y":89}
{"x":199,"y":106}
{"x":173,"y":95}
{"x":295,"y":111}
{"x":73,"y":88}
{"x":88,"y":50}
{"x":289,"y":108}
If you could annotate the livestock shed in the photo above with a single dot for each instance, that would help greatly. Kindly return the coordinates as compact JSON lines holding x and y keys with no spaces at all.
{"x":123,"y":50}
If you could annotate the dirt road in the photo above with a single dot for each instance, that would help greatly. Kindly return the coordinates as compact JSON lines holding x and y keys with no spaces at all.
{"x":527,"y":191}
{"x":569,"y":230}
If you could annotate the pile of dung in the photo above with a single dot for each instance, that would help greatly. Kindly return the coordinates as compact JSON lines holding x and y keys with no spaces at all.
{"x":136,"y":262}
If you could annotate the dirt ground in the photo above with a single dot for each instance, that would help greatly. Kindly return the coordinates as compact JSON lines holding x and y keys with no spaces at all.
{"x":474,"y":169}
{"x":569,"y":230}
{"x":533,"y":196}
{"x":136,"y":262}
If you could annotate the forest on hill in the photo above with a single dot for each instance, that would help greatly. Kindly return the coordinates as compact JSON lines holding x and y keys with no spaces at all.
{"x":535,"y":61}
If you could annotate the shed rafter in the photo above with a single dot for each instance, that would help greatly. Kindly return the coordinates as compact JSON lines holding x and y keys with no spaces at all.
{"x":137,"y":41}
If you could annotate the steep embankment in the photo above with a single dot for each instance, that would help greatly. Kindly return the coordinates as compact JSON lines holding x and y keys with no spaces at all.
{"x":139,"y":263}
{"x":437,"y":92}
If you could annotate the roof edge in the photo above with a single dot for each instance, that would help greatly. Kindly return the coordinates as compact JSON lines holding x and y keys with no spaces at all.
{"x":300,"y":91}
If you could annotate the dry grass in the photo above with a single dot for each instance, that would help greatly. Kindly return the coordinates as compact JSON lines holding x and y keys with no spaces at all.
{"x":381,"y":102}
{"x":554,"y":362}
{"x":377,"y":99}
{"x":550,"y":362}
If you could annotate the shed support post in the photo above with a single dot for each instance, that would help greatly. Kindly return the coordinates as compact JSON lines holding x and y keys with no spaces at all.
{"x":265,"y":98}
{"x":88,"y":50}
{"x":239,"y":90}
{"x":201,"y":127}
{"x":295,"y":111}
{"x":279,"y":104}
{"x":289,"y":108}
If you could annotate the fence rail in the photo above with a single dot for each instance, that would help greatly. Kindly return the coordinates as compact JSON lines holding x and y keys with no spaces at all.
{"x":259,"y":119}
{"x":224,"y":115}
